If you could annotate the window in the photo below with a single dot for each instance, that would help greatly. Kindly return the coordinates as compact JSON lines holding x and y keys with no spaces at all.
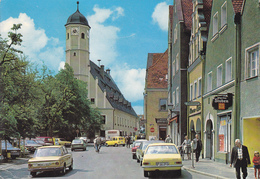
{"x":252,"y":61}
{"x":191,"y":92}
{"x":103,"y":119}
{"x":219,"y":75}
{"x":82,"y":35}
{"x":92,"y":100}
{"x":174,"y":98}
{"x":215,"y":24}
{"x":163,"y":103}
{"x":175,"y":34}
{"x":224,"y":14}
{"x":224,"y":128}
{"x":177,"y":62}
{"x":75,"y":54}
{"x":228,"y":76}
{"x":68,"y":35}
{"x":177,"y":95}
{"x":173,"y":68}
{"x":199,"y":87}
{"x":195,"y":89}
{"x":209,"y":86}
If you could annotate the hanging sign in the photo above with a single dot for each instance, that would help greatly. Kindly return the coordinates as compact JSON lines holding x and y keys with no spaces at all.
{"x":222,"y":102}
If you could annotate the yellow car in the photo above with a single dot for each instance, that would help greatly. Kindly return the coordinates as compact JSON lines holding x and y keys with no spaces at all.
{"x":116,"y":141}
{"x":61,"y":141}
{"x":161,"y":157}
{"x":50,"y":158}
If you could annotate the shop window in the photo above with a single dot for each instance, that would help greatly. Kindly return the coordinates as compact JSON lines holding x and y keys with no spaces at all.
{"x":224,"y":133}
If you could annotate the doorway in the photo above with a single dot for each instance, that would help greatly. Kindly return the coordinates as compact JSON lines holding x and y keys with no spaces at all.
{"x":209,"y":139}
{"x":162,"y":132}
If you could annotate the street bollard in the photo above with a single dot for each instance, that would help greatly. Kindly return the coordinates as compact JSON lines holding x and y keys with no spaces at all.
{"x":192,"y":156}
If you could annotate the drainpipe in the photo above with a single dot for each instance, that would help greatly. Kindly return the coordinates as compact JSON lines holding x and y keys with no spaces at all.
{"x":237,"y":20}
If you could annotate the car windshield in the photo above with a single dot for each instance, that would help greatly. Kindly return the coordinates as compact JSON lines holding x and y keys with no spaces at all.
{"x":46,"y":152}
{"x":8,"y":144}
{"x":30,"y":142}
{"x":137,"y":144}
{"x":77,"y":142}
{"x":162,"y":149}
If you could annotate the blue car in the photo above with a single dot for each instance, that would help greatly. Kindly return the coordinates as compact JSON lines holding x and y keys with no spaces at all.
{"x":14,"y":151}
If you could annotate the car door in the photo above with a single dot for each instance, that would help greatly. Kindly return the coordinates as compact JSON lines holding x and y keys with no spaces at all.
{"x":66,"y":156}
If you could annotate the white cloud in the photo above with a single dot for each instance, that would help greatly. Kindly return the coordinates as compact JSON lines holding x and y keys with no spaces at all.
{"x":62,"y":65}
{"x":103,"y":38}
{"x":130,"y":81}
{"x":119,"y":13}
{"x":139,"y":110}
{"x":160,"y":15}
{"x":35,"y":41}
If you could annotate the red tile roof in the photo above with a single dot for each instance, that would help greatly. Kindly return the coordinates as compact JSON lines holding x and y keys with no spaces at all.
{"x":237,"y":5}
{"x":156,"y":73}
{"x":185,"y":8}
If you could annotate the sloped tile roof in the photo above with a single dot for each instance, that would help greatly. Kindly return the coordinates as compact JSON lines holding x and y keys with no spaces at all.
{"x":237,"y":5}
{"x":156,"y":73}
{"x":185,"y":8}
{"x":114,"y":95}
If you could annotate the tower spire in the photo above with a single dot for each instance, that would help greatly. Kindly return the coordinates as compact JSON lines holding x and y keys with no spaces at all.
{"x":77,"y":5}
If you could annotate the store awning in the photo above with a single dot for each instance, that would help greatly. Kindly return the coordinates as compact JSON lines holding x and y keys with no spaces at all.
{"x":173,"y":119}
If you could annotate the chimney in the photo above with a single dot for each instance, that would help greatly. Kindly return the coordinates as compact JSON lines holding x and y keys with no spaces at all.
{"x":108,"y":71}
{"x":102,"y":71}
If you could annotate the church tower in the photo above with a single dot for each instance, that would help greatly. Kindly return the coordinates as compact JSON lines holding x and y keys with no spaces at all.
{"x":77,"y":44}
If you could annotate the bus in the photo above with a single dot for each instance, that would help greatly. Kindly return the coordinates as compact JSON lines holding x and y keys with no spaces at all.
{"x":112,"y":133}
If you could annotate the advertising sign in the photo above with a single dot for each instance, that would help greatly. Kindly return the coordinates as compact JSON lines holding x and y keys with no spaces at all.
{"x":222,"y":102}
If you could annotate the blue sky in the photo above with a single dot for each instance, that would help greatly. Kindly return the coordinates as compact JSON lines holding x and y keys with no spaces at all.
{"x":122,"y":34}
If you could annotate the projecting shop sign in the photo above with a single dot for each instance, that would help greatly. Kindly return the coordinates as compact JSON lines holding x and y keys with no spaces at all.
{"x":222,"y":102}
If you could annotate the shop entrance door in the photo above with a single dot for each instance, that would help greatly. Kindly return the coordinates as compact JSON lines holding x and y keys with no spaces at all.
{"x":162,"y":132}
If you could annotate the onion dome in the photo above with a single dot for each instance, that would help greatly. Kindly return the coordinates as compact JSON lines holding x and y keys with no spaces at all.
{"x":77,"y":18}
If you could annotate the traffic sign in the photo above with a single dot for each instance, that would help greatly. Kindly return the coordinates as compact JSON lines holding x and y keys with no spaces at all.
{"x":152,"y":129}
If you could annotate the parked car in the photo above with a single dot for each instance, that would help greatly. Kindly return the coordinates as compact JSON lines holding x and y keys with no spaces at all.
{"x":78,"y":144}
{"x":47,"y":140}
{"x":142,"y":148}
{"x":135,"y":145}
{"x":38,"y":141}
{"x":116,"y":141}
{"x":61,"y":141}
{"x":50,"y":158}
{"x":14,"y":151}
{"x":161,"y":157}
{"x":30,"y":145}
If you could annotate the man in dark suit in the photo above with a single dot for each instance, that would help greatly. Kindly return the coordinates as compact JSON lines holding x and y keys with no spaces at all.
{"x":197,"y":144}
{"x":240,"y":158}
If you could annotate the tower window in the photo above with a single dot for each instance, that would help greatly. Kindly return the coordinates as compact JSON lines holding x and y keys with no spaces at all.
{"x":75,"y":54}
{"x":82,"y":35}
{"x":68,"y":35}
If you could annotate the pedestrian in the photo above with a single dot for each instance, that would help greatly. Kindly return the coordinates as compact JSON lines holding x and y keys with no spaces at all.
{"x":186,"y":146}
{"x":97,"y":143}
{"x":197,"y":146}
{"x":240,"y":158}
{"x":256,"y":161}
{"x":168,"y":139}
{"x":128,"y":141}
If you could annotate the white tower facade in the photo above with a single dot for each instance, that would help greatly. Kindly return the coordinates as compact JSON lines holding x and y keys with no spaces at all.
{"x":77,"y":45}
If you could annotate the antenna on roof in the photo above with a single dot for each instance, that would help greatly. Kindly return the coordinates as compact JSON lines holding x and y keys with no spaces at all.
{"x":98,"y":62}
{"x":77,"y":5}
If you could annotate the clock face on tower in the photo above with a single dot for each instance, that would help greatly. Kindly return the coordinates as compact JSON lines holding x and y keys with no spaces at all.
{"x":74,"y":31}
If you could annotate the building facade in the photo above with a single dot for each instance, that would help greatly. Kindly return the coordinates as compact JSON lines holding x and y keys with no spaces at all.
{"x":155,"y":96}
{"x":250,"y":82}
{"x":103,"y":93}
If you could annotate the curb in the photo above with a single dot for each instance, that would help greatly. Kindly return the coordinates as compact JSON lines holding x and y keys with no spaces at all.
{"x":204,"y":173}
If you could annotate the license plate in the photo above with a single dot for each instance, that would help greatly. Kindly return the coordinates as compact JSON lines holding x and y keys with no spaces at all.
{"x":162,"y":163}
{"x":43,"y":164}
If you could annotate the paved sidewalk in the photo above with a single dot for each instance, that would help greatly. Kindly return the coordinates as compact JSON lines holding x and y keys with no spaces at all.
{"x":214,"y":169}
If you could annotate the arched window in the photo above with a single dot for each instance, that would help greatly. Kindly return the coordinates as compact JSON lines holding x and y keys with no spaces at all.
{"x":82,"y":35}
{"x":75,"y":54}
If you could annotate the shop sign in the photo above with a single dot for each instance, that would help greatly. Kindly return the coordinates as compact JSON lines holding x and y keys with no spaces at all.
{"x":222,"y":102}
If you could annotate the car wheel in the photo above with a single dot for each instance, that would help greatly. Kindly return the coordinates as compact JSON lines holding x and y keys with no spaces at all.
{"x":107,"y":145}
{"x":13,"y":157}
{"x":178,"y":172}
{"x":71,"y":150}
{"x":63,"y":171}
{"x":33,"y":174}
{"x":71,"y":166}
{"x":116,"y":145}
{"x":123,"y":145}
{"x":145,"y":174}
